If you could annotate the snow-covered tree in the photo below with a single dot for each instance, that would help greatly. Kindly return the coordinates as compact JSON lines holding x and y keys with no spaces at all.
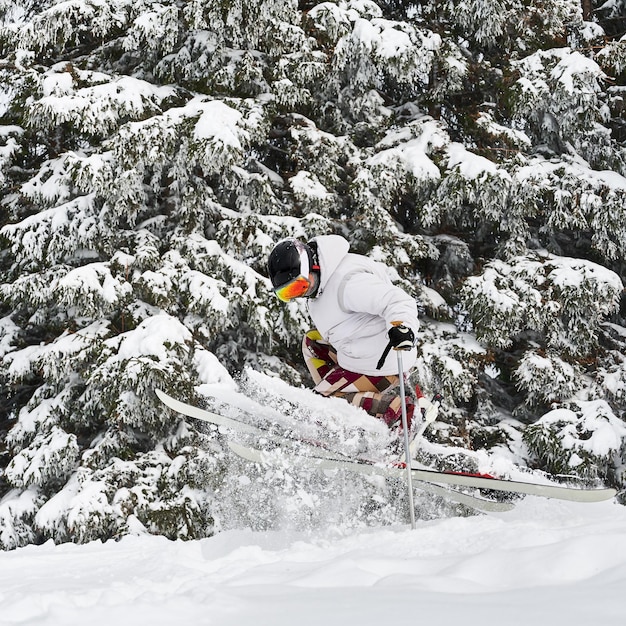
{"x":152,"y":152}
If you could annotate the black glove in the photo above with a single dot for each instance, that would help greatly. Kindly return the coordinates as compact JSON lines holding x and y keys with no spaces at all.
{"x":401,"y":337}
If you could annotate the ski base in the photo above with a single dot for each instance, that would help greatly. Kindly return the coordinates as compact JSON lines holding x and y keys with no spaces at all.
{"x":458,"y":479}
{"x":323,"y":458}
{"x":285,"y":438}
{"x":474,"y":502}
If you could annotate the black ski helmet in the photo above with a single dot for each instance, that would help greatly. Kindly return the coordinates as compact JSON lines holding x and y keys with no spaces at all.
{"x":293,"y":269}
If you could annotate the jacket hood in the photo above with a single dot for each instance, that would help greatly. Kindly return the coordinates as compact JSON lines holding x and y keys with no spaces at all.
{"x":331,"y":250}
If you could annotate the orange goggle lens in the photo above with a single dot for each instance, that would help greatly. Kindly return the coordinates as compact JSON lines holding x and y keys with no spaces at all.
{"x":295,"y":288}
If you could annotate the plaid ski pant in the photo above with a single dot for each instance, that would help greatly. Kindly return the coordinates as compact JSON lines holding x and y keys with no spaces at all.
{"x":374,"y":394}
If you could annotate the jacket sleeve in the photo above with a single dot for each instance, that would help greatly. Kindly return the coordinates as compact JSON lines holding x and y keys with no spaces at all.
{"x":365,"y":292}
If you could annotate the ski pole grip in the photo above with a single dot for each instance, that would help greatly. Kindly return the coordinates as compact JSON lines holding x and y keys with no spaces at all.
{"x":388,"y":348}
{"x":401,"y":337}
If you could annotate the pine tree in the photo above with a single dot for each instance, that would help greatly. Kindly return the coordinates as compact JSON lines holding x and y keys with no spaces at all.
{"x":152,"y":152}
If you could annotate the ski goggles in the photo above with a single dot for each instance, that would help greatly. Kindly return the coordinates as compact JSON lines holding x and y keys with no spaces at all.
{"x":295,"y":288}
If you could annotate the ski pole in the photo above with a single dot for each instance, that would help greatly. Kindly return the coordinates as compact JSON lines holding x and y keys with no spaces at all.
{"x":405,"y":428}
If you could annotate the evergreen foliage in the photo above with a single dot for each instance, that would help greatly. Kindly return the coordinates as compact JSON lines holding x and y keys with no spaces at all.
{"x":152,"y":152}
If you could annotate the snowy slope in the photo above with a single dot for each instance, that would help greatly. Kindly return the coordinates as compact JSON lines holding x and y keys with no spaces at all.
{"x":544,"y":563}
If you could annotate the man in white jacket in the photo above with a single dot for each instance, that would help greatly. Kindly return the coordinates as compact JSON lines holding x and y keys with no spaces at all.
{"x":359,"y":315}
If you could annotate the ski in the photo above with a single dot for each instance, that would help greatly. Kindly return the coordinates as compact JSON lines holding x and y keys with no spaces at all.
{"x":285,"y":437}
{"x":458,"y":479}
{"x":333,"y":460}
{"x":206,"y":416}
{"x":474,"y":502}
{"x":210,"y":417}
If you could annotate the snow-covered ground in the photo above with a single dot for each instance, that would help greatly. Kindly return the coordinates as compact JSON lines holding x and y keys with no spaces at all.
{"x":546,"y":562}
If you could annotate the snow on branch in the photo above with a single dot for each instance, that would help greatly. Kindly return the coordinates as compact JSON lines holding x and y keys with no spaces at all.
{"x":65,"y":23}
{"x":58,"y":360}
{"x":581,"y":438}
{"x":576,"y":197}
{"x":50,"y":458}
{"x":469,"y":181}
{"x":93,"y":103}
{"x":92,"y":289}
{"x":613,"y":55}
{"x":558,"y":99}
{"x":561,"y":298}
{"x":17,"y":510}
{"x":56,"y":235}
{"x":211,"y":132}
{"x":155,"y":30}
{"x":547,"y":378}
{"x":154,"y":354}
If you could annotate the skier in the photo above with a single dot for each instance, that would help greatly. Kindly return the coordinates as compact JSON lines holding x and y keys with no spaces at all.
{"x":359,"y":315}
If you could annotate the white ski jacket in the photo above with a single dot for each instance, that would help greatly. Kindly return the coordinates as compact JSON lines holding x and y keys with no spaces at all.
{"x":355,"y":306}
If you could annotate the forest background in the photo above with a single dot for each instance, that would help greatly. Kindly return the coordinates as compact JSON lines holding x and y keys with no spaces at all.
{"x":152,"y":152}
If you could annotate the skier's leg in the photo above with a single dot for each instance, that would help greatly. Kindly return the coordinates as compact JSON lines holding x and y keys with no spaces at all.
{"x":387,"y":407}
{"x":374,"y":394}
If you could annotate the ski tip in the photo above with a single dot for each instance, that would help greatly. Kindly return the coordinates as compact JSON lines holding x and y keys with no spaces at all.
{"x":165,"y":399}
{"x":168,"y":401}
